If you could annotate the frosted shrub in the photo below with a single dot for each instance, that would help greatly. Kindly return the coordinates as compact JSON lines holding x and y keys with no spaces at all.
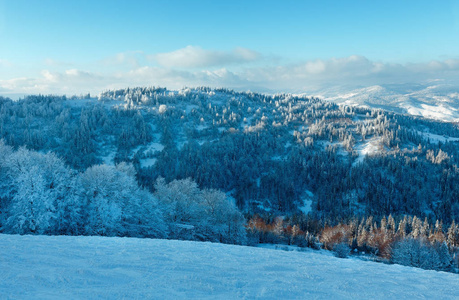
{"x":341,"y":250}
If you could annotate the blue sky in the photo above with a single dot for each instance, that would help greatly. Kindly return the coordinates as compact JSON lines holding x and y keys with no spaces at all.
{"x":66,"y":46}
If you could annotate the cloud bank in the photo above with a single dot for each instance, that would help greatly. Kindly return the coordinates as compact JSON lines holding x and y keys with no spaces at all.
{"x":196,"y":57}
{"x":193,"y":66}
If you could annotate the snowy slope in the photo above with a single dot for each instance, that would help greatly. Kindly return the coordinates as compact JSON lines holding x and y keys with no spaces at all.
{"x":40,"y":267}
{"x":433,"y":100}
{"x":368,"y":147}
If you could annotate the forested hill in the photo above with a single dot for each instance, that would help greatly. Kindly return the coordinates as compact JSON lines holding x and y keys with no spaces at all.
{"x":277,"y":154}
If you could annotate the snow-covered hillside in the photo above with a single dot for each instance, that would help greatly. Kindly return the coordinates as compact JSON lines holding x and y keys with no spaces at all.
{"x":434,"y":100}
{"x":64,"y":267}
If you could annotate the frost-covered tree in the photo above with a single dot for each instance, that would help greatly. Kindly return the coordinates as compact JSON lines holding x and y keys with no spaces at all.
{"x":113,"y":200}
{"x":417,"y":253}
{"x":5,"y":180}
{"x":31,"y":209}
{"x":445,"y":260}
{"x":148,"y":219}
{"x":225,"y":222}
{"x":182,"y":201}
{"x":200,"y":214}
{"x":103,"y":204}
{"x":41,"y":193}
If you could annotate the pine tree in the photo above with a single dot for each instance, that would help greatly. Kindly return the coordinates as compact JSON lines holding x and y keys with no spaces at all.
{"x":445,"y":260}
{"x":401,"y":231}
{"x":391,"y":225}
{"x":416,"y":228}
{"x":453,"y":236}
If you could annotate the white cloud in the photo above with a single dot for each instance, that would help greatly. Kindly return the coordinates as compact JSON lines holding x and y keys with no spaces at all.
{"x":352,"y":71}
{"x":306,"y":76}
{"x":71,"y":81}
{"x":196,"y":57}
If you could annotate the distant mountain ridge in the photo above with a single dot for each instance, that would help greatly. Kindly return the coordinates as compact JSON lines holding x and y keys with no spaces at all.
{"x":438,"y":101}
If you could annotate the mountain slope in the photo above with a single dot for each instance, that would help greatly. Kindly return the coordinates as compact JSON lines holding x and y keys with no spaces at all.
{"x":435,"y":100}
{"x":113,"y":268}
{"x":271,"y":153}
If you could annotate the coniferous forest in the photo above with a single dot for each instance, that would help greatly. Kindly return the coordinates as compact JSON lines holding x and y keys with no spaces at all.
{"x":225,"y":166}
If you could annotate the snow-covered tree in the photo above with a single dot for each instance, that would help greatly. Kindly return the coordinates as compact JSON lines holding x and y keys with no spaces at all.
{"x":5,"y":180}
{"x":417,"y":253}
{"x":200,"y":214}
{"x":225,"y":221}
{"x":102,"y":200}
{"x":41,"y":193}
{"x":114,"y":203}
{"x":32,"y":209}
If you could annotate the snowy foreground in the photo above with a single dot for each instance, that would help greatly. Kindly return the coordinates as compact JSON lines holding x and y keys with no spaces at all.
{"x":42,"y":267}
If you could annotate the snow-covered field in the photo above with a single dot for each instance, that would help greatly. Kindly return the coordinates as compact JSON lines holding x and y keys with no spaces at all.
{"x":41,"y":267}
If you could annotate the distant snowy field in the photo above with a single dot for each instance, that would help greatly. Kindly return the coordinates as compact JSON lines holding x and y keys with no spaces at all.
{"x":42,"y":267}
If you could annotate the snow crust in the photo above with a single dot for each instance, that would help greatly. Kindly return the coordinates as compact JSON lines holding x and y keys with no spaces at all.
{"x":63,"y":267}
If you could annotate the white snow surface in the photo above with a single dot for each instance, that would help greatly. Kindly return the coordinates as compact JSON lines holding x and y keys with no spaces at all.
{"x":436,"y":138}
{"x":307,"y":202}
{"x":369,"y":147}
{"x":147,"y":162}
{"x":63,"y":267}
